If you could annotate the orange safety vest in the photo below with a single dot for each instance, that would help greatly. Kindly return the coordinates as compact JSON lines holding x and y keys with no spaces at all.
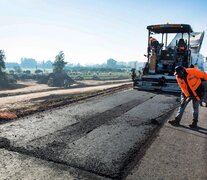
{"x":194,"y":81}
{"x":152,"y":40}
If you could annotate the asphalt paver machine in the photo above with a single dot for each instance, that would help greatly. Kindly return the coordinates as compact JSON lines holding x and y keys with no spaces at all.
{"x":163,"y":57}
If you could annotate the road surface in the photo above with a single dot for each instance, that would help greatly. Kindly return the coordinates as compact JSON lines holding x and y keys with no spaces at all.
{"x":100,"y":138}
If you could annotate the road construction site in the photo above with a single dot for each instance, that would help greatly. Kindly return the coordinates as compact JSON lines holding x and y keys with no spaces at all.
{"x":118,"y":135}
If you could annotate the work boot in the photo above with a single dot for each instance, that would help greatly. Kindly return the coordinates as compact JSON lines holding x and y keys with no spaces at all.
{"x":194,"y":124}
{"x":175,"y":122}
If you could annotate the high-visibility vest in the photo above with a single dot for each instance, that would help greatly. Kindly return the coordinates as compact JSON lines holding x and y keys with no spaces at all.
{"x":194,"y":82}
{"x":152,"y":40}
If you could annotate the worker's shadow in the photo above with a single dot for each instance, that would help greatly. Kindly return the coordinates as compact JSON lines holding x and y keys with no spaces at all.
{"x":197,"y":129}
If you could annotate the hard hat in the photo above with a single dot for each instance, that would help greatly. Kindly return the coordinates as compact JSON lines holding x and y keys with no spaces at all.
{"x":179,"y":70}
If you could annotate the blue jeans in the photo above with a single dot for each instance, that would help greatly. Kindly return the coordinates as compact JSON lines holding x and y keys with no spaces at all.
{"x":182,"y":107}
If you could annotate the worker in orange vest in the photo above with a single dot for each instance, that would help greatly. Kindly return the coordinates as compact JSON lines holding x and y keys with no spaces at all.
{"x":153,"y":42}
{"x":189,"y":80}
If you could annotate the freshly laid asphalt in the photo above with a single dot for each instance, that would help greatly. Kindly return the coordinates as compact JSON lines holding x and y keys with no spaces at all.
{"x":102,"y":138}
{"x":177,"y":152}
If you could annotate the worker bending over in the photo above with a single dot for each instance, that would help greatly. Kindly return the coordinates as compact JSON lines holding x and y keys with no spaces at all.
{"x":189,"y":80}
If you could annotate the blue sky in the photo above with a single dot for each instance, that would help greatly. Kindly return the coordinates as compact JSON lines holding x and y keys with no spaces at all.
{"x":90,"y":31}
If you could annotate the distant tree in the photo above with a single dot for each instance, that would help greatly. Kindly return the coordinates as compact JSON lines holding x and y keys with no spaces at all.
{"x":38,"y":71}
{"x":59,"y":63}
{"x":27,"y":72}
{"x":2,"y":61}
{"x":17,"y":69}
{"x":2,"y":65}
{"x":111,"y":62}
{"x":11,"y":72}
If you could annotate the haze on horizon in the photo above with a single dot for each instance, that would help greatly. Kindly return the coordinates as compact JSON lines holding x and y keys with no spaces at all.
{"x":90,"y":31}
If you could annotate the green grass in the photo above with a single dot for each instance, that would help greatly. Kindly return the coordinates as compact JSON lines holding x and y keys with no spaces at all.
{"x":101,"y":76}
{"x":85,"y":75}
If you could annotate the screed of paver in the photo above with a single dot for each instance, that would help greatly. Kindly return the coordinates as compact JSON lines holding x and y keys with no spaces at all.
{"x":15,"y":166}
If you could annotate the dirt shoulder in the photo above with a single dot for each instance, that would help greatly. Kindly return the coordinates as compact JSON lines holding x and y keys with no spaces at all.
{"x":30,"y":102}
{"x":27,"y":87}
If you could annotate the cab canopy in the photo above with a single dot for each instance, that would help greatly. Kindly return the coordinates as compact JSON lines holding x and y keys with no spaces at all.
{"x":170,"y":28}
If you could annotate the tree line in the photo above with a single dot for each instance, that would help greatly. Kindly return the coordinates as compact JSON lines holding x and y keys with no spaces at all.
{"x":58,"y":66}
